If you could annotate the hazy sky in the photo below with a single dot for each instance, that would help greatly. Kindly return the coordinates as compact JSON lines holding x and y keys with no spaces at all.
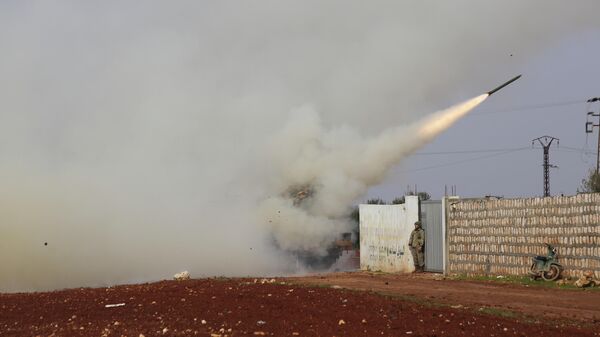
{"x":363,"y":65}
{"x":550,"y":99}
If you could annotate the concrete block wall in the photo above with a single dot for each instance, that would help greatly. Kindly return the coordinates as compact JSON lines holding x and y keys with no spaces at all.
{"x":499,"y":237}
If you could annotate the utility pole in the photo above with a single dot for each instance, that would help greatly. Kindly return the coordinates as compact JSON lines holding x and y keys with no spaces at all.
{"x":589,"y":128}
{"x":546,"y":141}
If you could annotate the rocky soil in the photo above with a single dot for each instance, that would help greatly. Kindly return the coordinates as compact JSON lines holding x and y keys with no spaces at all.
{"x":249,"y":307}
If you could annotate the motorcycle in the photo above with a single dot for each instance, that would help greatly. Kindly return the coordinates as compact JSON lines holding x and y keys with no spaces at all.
{"x":546,"y":267}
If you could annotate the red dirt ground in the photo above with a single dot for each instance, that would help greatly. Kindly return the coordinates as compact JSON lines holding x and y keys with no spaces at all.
{"x":551,"y":303}
{"x":241,"y":307}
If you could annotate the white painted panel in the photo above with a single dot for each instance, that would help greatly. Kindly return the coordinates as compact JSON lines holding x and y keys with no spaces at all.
{"x":384,"y":234}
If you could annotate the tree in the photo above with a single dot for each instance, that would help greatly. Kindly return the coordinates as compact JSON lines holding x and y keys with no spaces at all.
{"x":354,"y":213}
{"x":422,"y":195}
{"x":376,"y":201}
{"x":591,"y":184}
{"x":398,"y":201}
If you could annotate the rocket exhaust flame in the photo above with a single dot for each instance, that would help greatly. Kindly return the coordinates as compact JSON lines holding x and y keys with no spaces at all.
{"x":436,"y":123}
{"x":440,"y":121}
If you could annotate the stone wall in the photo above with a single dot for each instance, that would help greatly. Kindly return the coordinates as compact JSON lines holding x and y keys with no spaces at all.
{"x":499,"y":237}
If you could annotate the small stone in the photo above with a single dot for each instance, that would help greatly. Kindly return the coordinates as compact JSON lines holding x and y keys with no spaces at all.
{"x":165,"y":330}
{"x":184,"y":275}
{"x":583,"y":282}
{"x":341,"y":322}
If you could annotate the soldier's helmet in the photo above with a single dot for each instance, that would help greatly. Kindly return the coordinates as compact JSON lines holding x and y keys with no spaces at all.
{"x":418,"y":224}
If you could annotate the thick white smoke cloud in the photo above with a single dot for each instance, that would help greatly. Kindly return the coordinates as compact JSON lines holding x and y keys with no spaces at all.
{"x":138,"y":141}
{"x":338,"y":166}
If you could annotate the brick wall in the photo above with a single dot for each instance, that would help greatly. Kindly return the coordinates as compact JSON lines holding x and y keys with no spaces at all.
{"x":499,"y":237}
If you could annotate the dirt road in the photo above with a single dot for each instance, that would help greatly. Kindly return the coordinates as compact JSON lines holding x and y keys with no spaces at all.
{"x":248,"y":307}
{"x":535,"y":301}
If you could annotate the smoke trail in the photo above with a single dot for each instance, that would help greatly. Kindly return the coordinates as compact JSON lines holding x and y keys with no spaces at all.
{"x":335,"y":167}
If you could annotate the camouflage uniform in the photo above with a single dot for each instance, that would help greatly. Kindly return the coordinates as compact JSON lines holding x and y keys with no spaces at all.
{"x":416,"y":244}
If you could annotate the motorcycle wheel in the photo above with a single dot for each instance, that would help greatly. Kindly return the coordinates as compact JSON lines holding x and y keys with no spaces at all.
{"x":551,"y":274}
{"x":533,"y":273}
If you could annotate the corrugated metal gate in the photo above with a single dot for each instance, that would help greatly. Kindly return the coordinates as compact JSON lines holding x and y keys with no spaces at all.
{"x":431,"y":217}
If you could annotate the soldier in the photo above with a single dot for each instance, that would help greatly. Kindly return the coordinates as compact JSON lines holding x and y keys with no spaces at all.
{"x":416,"y":244}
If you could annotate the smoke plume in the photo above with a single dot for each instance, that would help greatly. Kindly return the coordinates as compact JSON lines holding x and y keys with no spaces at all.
{"x":339,"y":166}
{"x":139,"y":141}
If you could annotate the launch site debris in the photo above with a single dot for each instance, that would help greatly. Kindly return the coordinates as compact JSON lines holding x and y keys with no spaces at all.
{"x":114,"y":305}
{"x":587,"y":280}
{"x":184,"y":275}
{"x":300,"y":193}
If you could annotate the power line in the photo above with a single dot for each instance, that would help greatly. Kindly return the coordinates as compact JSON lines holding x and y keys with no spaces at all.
{"x":496,"y":152}
{"x":464,"y":151}
{"x":561,"y":149}
{"x":531,"y":107}
{"x":575,"y":150}
{"x":467,"y":160}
